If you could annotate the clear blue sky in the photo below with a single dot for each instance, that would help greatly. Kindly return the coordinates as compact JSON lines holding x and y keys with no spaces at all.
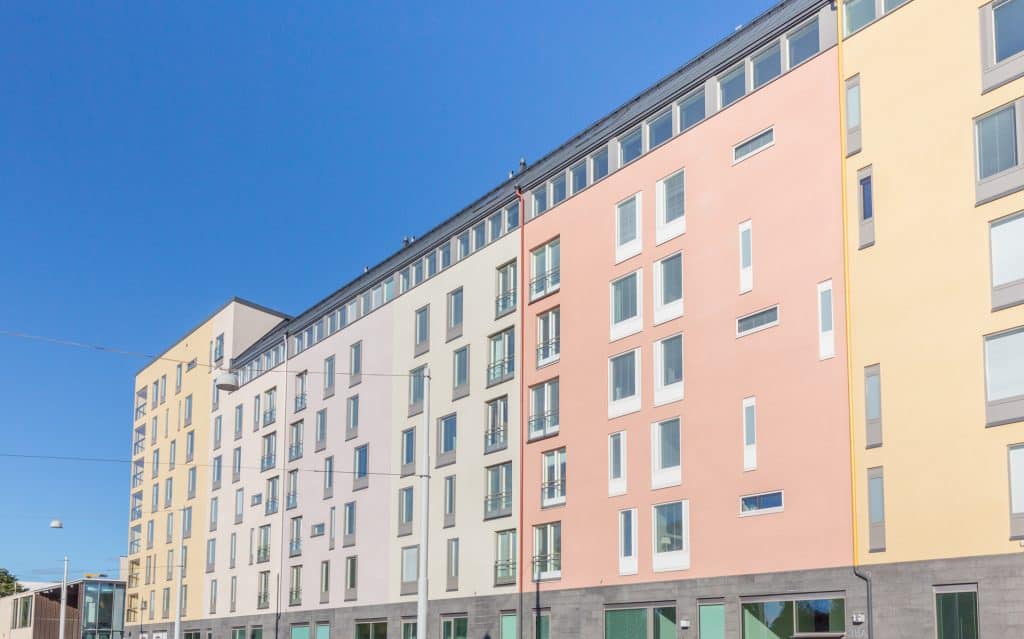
{"x":159,"y":158}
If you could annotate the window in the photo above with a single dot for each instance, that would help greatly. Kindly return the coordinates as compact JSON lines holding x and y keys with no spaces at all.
{"x":826,"y":330}
{"x":417,"y":383}
{"x":236,"y":464}
{"x":624,"y":383}
{"x":505,"y":300}
{"x":628,"y":237}
{"x":239,"y":505}
{"x":351,"y":586}
{"x":1002,"y":42}
{"x":1007,"y":242}
{"x":405,"y":510}
{"x":711,"y":621}
{"x":857,"y":14}
{"x":625,"y":303}
{"x":496,"y":435}
{"x":670,"y":528}
{"x":495,"y":225}
{"x":692,"y":110}
{"x":553,"y":478}
{"x":355,"y":363}
{"x":505,"y":557}
{"x":295,"y":441}
{"x":761,"y":504}
{"x":750,"y":433}
{"x":446,"y":260}
{"x":1016,"y":468}
{"x":659,"y":129}
{"x":1004,"y":377}
{"x":295,"y":594}
{"x":876,"y":510}
{"x":853,"y":115}
{"x":627,"y":542}
{"x":348,"y":524}
{"x":666,"y":467}
{"x":548,"y":334}
{"x":188,"y":410}
{"x":753,"y":145}
{"x":547,"y":551}
{"x":361,"y":463}
{"x":746,"y":237}
{"x":501,"y":366}
{"x":757,"y":321}
{"x":578,"y":177}
{"x":421,"y":331}
{"x":329,"y":375}
{"x":328,"y":476}
{"x":999,"y":147}
{"x":803,"y":43}
{"x":408,"y":451}
{"x":732,"y":86}
{"x":270,"y":408}
{"x":617,"y":463}
{"x":191,"y":478}
{"x":462,"y":243}
{"x":449,"y":501}
{"x":452,"y":566}
{"x":446,"y":439}
{"x":789,"y":618}
{"x":671,"y":212}
{"x":177,"y":379}
{"x":631,"y":146}
{"x":543,"y":409}
{"x":558,"y":189}
{"x":546,"y":276}
{"x":238,"y":421}
{"x":668,"y":301}
{"x":498,"y":500}
{"x":454,"y":314}
{"x":767,"y":65}
{"x":1008,"y":17}
{"x":460,"y":373}
{"x":410,"y":569}
{"x":351,"y":419}
{"x":599,"y":164}
{"x":216,"y":471}
{"x":956,"y":612}
{"x":540,"y":200}
{"x":269,"y":458}
{"x":867,"y":207}
{"x":454,"y":628}
{"x":633,"y":622}
{"x":668,"y":370}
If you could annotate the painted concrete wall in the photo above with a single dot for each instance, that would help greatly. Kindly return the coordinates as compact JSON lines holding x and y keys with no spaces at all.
{"x":801,"y":400}
{"x":920,"y":297}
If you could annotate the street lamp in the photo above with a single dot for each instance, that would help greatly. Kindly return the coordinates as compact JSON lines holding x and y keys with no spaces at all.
{"x":56,"y":523}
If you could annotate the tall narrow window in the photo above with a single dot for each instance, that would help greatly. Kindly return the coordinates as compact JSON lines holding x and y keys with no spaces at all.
{"x":670,"y":532}
{"x":452,"y":565}
{"x":666,"y":465}
{"x":449,"y":501}
{"x":732,"y":86}
{"x":746,"y":235}
{"x":422,"y":331}
{"x":410,"y":569}
{"x":692,"y":110}
{"x":826,"y":329}
{"x":578,"y":177}
{"x":506,"y":284}
{"x":1004,"y":377}
{"x":873,"y":405}
{"x":546,"y":269}
{"x":1016,"y":467}
{"x":548,"y":334}
{"x":547,"y":550}
{"x":631,"y":146}
{"x":355,"y":363}
{"x":711,"y":621}
{"x":668,"y":370}
{"x":956,"y":612}
{"x":668,"y":288}
{"x":627,"y":542}
{"x":767,"y":65}
{"x":329,"y":376}
{"x":659,"y":129}
{"x":405,"y":510}
{"x":624,"y":383}
{"x":853,"y":138}
{"x":625,"y":305}
{"x":447,"y":429}
{"x":408,"y":452}
{"x":867,"y":207}
{"x":498,"y":499}
{"x":454,"y":314}
{"x":501,"y":363}
{"x":876,"y":510}
{"x":599,"y":164}
{"x":671,"y":210}
{"x":543,"y":409}
{"x":553,"y":478}
{"x":617,"y":463}
{"x":540,"y":200}
{"x":750,"y":433}
{"x":558,"y":189}
{"x":628,"y":236}
{"x":505,"y":559}
{"x":1007,"y":242}
{"x":417,"y":386}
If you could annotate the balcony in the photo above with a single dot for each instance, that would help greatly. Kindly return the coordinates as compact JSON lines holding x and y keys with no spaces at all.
{"x":137,"y":479}
{"x":505,"y":572}
{"x":497,"y":505}
{"x":548,"y":351}
{"x":140,"y":411}
{"x":552,"y":493}
{"x":133,"y":580}
{"x":500,"y":370}
{"x":263,"y":600}
{"x":300,"y":402}
{"x":295,"y":451}
{"x":134,"y":546}
{"x":295,"y":596}
{"x":262,"y":554}
{"x":139,"y":447}
{"x":136,"y":512}
{"x":270,"y":507}
{"x":267,"y":462}
{"x":495,"y":438}
{"x":294,"y":547}
{"x":291,"y":501}
{"x":504,"y":303}
{"x":329,"y":389}
{"x":543,"y":425}
{"x":545,"y":283}
{"x":547,"y":566}
{"x":269,"y":416}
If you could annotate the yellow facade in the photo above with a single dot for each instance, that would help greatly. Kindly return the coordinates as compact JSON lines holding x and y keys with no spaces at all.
{"x":919,"y":298}
{"x":172,"y":426}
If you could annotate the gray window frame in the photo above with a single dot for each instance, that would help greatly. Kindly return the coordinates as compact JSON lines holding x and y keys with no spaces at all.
{"x":853,"y":133}
{"x":460,"y":390}
{"x":446,"y":458}
{"x":1010,"y":180}
{"x":1010,"y":293}
{"x":876,"y":530}
{"x":995,"y":74}
{"x":1006,"y":410}
{"x":1016,"y":518}
{"x":454,"y":331}
{"x":407,"y":468}
{"x":866,"y":227}
{"x":872,"y":427}
{"x":421,"y":347}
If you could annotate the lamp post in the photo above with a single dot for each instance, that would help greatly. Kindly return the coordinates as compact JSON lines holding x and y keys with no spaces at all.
{"x":56,"y":523}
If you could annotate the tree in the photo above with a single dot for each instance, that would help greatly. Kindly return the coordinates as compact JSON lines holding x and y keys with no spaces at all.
{"x":9,"y":583}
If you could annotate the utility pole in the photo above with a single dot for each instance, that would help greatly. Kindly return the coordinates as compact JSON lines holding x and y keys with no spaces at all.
{"x":181,"y":576}
{"x":63,"y":598}
{"x":421,"y":586}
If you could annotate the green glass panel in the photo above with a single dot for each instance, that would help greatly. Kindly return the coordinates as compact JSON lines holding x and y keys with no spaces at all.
{"x":409,"y":630}
{"x":956,"y":615}
{"x":508,"y":627}
{"x":821,"y":615}
{"x":545,"y":626}
{"x":323,"y":631}
{"x":363,"y":631}
{"x":665,"y":623}
{"x":768,"y":620}
{"x":625,"y":624}
{"x":300,"y":632}
{"x":711,"y":620}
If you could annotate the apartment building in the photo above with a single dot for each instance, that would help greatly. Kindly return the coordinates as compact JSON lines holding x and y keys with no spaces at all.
{"x":649,"y":372}
{"x":935,"y":232}
{"x":170,"y":477}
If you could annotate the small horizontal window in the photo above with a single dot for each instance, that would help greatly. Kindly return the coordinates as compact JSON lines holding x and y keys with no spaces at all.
{"x":760,"y":504}
{"x":760,"y":141}
{"x":757,"y":321}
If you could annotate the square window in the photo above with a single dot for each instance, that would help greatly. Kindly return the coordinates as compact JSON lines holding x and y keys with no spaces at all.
{"x":1004,"y":377}
{"x":1007,"y":242}
{"x":858,"y":14}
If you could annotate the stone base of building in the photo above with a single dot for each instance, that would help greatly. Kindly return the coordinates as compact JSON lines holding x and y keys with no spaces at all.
{"x":904,"y":604}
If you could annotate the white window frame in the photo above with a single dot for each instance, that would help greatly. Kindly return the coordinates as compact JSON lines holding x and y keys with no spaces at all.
{"x":671,"y":475}
{"x":746,"y":272}
{"x":628,"y":565}
{"x":778,"y":318}
{"x":826,"y":338}
{"x":546,"y":251}
{"x":618,"y":485}
{"x":552,"y":317}
{"x":749,"y":450}
{"x":618,"y":408}
{"x":633,"y":247}
{"x":672,"y":310}
{"x":736,"y":159}
{"x":552,"y":456}
{"x":633,"y":324}
{"x":673,"y":392}
{"x":674,"y":560}
{"x":665,"y":231}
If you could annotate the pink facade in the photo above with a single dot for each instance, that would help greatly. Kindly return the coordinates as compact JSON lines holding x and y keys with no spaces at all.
{"x":801,"y":400}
